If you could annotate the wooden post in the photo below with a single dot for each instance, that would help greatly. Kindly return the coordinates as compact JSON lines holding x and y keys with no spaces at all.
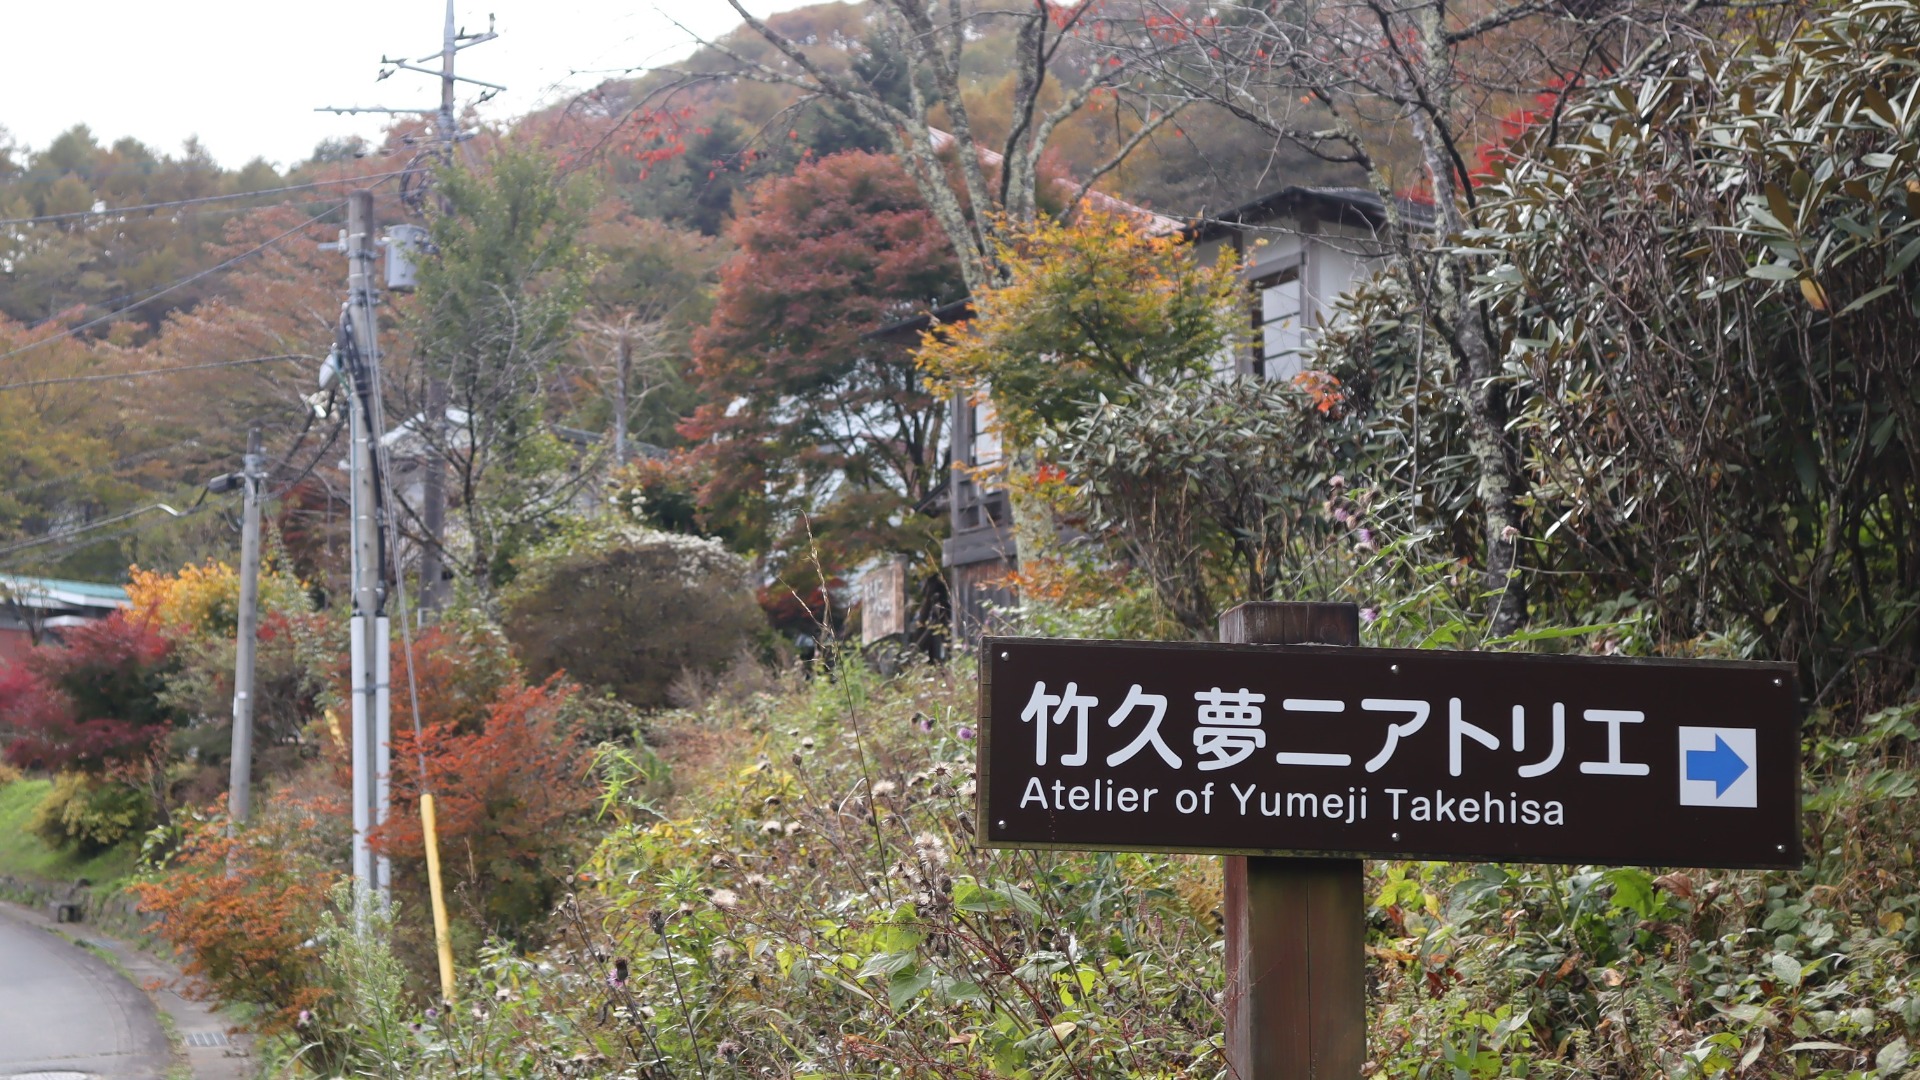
{"x":1296,"y":1002}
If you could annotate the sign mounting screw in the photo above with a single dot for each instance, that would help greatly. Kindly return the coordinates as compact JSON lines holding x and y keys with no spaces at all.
{"x":1002,"y":823}
{"x":1781,"y":848}
{"x":1776,"y":682}
{"x":1003,"y":656}
{"x":1396,"y":836}
{"x":1395,"y":668}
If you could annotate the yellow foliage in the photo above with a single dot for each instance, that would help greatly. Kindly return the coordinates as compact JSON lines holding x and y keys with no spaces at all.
{"x":195,"y":596}
{"x":205,"y":598}
{"x":1092,"y":308}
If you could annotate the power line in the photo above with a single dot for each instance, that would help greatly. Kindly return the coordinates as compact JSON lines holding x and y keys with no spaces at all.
{"x":59,"y":537}
{"x":44,"y":218}
{"x":180,"y":284}
{"x":142,"y":372}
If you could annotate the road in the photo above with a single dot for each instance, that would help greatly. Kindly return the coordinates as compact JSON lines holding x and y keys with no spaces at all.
{"x":64,"y":1011}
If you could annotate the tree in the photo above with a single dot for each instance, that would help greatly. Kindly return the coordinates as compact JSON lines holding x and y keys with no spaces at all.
{"x":1090,"y":310}
{"x":93,"y":702}
{"x":1724,"y":423}
{"x":493,"y":317}
{"x":801,"y":412}
{"x":510,"y":793}
{"x":652,"y":288}
{"x":1377,"y":76}
{"x":977,"y":179}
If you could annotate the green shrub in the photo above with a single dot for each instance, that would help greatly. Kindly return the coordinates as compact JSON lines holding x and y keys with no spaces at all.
{"x":629,"y":609}
{"x":88,"y":815}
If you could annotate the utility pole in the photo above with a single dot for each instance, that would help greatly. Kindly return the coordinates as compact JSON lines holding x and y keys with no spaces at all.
{"x":433,"y":510}
{"x":372,"y":729}
{"x":240,"y":775}
{"x":622,"y":371}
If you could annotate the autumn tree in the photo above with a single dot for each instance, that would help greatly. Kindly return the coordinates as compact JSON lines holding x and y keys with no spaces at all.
{"x":977,"y":161}
{"x":93,"y":701}
{"x":802,"y":413}
{"x":1089,"y":310}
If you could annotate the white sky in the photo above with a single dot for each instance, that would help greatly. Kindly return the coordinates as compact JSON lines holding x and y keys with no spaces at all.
{"x":246,"y":75}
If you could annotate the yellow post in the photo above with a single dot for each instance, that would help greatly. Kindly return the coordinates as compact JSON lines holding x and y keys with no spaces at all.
{"x":442,"y":940}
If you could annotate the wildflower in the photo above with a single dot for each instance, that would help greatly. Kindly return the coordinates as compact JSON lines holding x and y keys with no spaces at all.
{"x":967,"y":789}
{"x":724,"y":899}
{"x":502,"y":994}
{"x":433,"y":1013}
{"x":965,"y":733}
{"x":931,"y":848}
{"x":806,"y":743}
{"x":771,"y":827}
{"x":941,"y":769}
{"x":306,"y":1018}
{"x":884,"y":788}
{"x":1509,"y":533}
{"x":922,"y":721}
{"x":792,"y":827}
{"x":1369,"y":614}
{"x":756,"y":881}
{"x":1336,"y":481}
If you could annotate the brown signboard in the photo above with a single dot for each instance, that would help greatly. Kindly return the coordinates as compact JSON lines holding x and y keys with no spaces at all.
{"x":1302,"y":749}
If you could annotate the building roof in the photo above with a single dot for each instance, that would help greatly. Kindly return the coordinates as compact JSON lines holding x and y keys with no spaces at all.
{"x":1349,"y":205}
{"x":60,"y":593}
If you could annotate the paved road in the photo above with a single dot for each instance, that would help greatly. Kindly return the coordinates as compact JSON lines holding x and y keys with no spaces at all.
{"x":63,"y":1010}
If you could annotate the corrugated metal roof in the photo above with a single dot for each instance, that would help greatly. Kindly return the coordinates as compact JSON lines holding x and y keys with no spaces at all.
{"x":61,"y":592}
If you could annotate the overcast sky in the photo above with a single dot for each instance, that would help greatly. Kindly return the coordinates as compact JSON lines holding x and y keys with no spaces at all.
{"x":246,"y":75}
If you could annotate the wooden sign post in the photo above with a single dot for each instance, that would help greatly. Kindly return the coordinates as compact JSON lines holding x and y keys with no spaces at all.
{"x":1296,"y":929}
{"x":1295,"y":754}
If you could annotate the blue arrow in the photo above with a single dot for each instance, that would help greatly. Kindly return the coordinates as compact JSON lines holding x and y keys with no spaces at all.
{"x":1720,"y":765}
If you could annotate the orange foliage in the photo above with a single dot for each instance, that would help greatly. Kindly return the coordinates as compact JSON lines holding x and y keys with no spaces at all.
{"x":506,"y":794}
{"x":239,"y":909}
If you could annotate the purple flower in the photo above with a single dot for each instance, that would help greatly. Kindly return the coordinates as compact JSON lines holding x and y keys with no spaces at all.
{"x":1366,"y":536}
{"x":432,"y":1013}
{"x":1369,"y":614}
{"x":925,"y":723}
{"x":305,"y":1019}
{"x":966,"y":733}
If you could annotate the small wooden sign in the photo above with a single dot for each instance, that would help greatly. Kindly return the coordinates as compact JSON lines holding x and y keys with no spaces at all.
{"x":883,"y":601}
{"x":1297,"y":749}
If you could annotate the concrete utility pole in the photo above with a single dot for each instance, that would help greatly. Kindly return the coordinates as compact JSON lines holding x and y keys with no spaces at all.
{"x":372,"y":729}
{"x":622,"y":371}
{"x":240,"y":776}
{"x":447,"y":133}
